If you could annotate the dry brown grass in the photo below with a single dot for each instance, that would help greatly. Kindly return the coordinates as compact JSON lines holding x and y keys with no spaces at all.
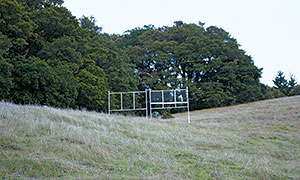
{"x":259,"y":140}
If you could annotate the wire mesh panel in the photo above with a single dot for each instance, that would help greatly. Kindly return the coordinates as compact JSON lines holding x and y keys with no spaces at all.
{"x":140,"y":101}
{"x":115,"y":102}
{"x":127,"y":101}
{"x":181,"y":95}
{"x":169,"y":96}
{"x":166,"y":99}
{"x":158,"y":99}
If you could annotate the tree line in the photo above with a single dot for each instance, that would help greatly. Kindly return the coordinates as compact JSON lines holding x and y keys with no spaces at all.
{"x":47,"y":56}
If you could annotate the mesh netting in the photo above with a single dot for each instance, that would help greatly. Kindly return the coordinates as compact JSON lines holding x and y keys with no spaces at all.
{"x":169,"y":96}
{"x":130,"y":100}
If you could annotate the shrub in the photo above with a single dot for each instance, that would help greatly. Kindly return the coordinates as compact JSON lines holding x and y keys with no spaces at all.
{"x":167,"y":114}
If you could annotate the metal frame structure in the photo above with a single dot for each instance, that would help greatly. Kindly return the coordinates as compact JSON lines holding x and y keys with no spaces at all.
{"x":169,"y":102}
{"x":133,"y":100}
{"x":165,"y":103}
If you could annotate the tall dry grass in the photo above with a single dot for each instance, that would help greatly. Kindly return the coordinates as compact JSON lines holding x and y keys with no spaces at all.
{"x":259,"y":140}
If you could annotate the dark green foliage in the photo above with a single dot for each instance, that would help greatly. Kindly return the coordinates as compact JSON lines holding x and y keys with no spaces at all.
{"x":15,"y":24}
{"x":35,"y":5}
{"x":45,"y":60}
{"x":248,"y":93}
{"x":270,"y":92}
{"x":65,"y":86}
{"x":209,"y":94}
{"x":113,"y":60}
{"x":47,"y":56}
{"x":55,"y":22}
{"x":64,"y":49}
{"x":5,"y":79}
{"x":280,"y":82}
{"x":4,"y":45}
{"x":32,"y":78}
{"x":37,"y":82}
{"x":115,"y":63}
{"x":209,"y":61}
{"x":89,"y":24}
{"x":295,"y":91}
{"x":93,"y":88}
{"x":292,"y":82}
{"x":283,"y":85}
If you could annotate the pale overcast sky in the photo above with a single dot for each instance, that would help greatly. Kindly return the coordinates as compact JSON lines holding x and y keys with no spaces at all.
{"x":268,"y":30}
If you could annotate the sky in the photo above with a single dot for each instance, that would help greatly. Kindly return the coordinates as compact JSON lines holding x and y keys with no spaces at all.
{"x":268,"y":30}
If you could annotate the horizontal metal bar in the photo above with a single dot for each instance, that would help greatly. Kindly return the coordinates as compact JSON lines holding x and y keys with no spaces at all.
{"x":179,"y":107}
{"x":128,"y":92}
{"x":168,"y":90}
{"x":169,"y":102}
{"x":129,"y":109}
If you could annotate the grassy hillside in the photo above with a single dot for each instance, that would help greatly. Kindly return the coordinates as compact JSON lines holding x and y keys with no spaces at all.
{"x":260,"y":140}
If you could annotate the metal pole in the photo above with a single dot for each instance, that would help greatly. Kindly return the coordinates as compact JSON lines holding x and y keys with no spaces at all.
{"x":175,"y":98}
{"x":188,"y":104}
{"x":162,"y":98}
{"x":121,"y":101}
{"x":150,"y":101}
{"x":108,"y":103}
{"x":133,"y":96}
{"x":146,"y":100}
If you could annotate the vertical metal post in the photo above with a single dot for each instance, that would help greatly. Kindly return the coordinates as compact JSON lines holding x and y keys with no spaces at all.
{"x":150,"y":103}
{"x":162,"y":98}
{"x":175,"y":97}
{"x":188,"y":104}
{"x":108,"y":102}
{"x":133,"y":96}
{"x":121,"y":101}
{"x":146,"y":100}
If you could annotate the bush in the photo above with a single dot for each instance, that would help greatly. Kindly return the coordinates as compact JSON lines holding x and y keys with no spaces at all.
{"x":295,"y":91}
{"x":167,"y":114}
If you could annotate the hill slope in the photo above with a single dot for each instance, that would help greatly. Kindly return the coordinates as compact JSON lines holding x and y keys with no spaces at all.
{"x":259,"y":140}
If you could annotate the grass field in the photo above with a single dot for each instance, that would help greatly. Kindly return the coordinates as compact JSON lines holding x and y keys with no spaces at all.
{"x":259,"y":140}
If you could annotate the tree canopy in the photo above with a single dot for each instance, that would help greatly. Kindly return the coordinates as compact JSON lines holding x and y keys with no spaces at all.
{"x":208,"y":60}
{"x":47,"y":56}
{"x":283,"y":85}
